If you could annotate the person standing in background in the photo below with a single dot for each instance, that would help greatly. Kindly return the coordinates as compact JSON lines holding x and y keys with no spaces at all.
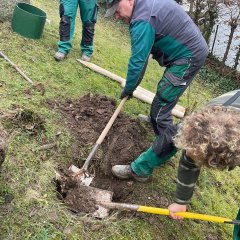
{"x":88,"y":13}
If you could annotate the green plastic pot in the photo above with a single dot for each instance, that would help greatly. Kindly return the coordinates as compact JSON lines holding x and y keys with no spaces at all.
{"x":28,"y":20}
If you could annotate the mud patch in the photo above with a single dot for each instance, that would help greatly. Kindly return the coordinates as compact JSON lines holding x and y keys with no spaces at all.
{"x":3,"y":144}
{"x":24,"y":119}
{"x":126,"y":140}
{"x":36,"y":88}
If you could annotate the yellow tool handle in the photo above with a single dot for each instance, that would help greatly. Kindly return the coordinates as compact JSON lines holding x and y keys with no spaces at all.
{"x":191,"y":215}
{"x":163,"y":211}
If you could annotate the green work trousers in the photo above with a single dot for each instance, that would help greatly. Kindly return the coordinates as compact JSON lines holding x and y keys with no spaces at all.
{"x":174,"y":82}
{"x":88,"y":14}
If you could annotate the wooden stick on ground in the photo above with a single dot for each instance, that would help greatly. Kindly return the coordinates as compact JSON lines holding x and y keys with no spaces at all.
{"x":140,"y":93}
{"x":16,"y":67}
{"x":113,"y":76}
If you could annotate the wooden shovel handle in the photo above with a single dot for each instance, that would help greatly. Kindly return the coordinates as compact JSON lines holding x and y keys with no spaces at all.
{"x":111,"y":121}
{"x":103,"y":135}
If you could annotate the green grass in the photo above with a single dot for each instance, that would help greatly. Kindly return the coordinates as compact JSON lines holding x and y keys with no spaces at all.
{"x":27,"y":173}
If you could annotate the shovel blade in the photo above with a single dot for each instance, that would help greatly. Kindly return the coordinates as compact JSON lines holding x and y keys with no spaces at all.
{"x":101,"y":195}
{"x":83,"y":177}
{"x":95,"y":194}
{"x":86,"y":199}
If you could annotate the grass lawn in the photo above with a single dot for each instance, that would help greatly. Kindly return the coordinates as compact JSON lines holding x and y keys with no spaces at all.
{"x":29,"y":207}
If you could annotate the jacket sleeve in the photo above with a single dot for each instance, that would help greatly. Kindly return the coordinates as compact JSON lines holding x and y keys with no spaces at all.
{"x":142,"y":39}
{"x":188,"y":173}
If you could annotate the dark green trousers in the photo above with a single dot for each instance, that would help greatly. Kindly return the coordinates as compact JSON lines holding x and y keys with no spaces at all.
{"x":174,"y":82}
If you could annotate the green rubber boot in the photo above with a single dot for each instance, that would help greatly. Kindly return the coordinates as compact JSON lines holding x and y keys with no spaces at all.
{"x":145,"y":164}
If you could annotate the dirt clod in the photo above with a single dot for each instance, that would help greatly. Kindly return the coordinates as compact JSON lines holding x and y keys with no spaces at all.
{"x":3,"y":144}
{"x":81,"y":194}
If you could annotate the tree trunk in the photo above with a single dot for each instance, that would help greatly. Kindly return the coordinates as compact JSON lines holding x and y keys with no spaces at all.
{"x":208,"y":29}
{"x":233,"y":28}
{"x":237,"y":58}
{"x":198,"y":13}
{"x":191,"y":7}
{"x":210,"y":19}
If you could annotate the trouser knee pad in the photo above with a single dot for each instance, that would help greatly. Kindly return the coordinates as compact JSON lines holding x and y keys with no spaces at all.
{"x":64,"y":29}
{"x":88,"y":33}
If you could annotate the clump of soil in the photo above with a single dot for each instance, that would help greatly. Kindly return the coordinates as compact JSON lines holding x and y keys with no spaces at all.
{"x":39,"y":87}
{"x":81,"y":194}
{"x":3,"y":144}
{"x":27,"y":120}
{"x":126,"y":140}
{"x":74,"y":193}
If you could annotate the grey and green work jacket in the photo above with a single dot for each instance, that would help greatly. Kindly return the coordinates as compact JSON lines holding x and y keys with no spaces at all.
{"x":188,"y":171}
{"x":161,"y":27}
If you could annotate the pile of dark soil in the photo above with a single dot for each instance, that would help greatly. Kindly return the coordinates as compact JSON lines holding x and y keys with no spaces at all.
{"x":126,"y":140}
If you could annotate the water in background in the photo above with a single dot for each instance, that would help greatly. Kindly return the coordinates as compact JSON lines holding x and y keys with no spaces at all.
{"x":222,"y":37}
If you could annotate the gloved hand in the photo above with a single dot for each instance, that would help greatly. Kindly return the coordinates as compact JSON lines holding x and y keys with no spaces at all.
{"x":125,"y":93}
